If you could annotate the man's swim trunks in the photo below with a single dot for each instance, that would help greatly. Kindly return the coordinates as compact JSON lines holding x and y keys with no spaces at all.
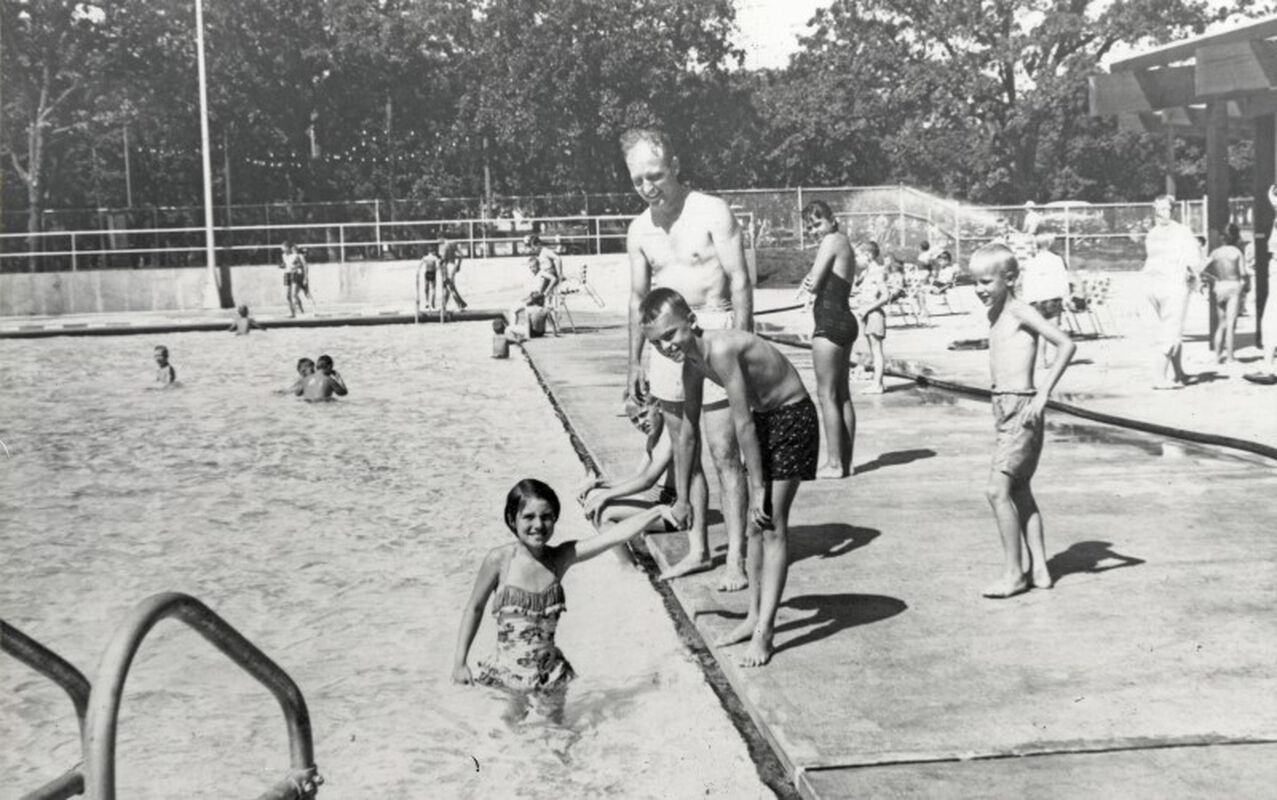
{"x":833,"y":317}
{"x":1019,"y":446}
{"x":665,"y":377}
{"x":789,"y":438}
{"x":876,"y":324}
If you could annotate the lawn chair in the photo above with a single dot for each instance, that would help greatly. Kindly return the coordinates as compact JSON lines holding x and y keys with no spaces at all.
{"x":1087,"y":304}
{"x":938,"y":292}
{"x":557,"y":302}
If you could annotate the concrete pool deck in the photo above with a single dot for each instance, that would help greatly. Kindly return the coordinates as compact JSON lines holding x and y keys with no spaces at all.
{"x":1145,"y":672}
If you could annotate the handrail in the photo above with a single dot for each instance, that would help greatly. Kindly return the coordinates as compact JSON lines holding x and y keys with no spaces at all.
{"x":104,"y":703}
{"x":71,"y":680}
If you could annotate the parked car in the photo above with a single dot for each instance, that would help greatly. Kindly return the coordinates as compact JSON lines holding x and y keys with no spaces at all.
{"x":1082,"y":217}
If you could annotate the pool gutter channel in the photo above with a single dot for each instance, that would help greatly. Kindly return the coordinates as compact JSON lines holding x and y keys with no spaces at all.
{"x":922,"y":377}
{"x":774,"y":770}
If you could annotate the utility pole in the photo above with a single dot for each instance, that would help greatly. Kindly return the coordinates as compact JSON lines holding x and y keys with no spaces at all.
{"x":212,"y":295}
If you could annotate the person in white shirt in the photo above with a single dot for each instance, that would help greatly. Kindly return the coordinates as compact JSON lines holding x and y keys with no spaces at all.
{"x":1174,"y":259}
{"x":1045,"y":286}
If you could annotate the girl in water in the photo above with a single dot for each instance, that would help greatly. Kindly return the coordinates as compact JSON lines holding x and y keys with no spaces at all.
{"x":525,"y":576}
{"x":829,"y":284}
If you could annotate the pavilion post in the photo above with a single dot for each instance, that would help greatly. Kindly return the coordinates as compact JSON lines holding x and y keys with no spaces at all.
{"x":1264,"y":176}
{"x":1217,"y":210}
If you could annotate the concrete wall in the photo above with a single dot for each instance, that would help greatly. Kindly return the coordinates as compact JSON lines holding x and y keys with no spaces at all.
{"x":485,"y":282}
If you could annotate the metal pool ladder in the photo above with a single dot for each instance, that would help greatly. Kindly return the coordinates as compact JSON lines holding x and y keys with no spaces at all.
{"x":98,"y":709}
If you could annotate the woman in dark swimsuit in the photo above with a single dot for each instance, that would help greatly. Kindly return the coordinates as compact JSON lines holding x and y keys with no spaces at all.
{"x":829,"y":282}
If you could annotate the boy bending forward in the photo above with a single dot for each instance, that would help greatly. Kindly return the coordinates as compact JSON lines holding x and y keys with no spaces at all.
{"x":1017,"y":410}
{"x":776,"y":427}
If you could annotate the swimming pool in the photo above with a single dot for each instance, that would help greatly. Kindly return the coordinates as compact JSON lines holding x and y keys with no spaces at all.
{"x":342,"y":538}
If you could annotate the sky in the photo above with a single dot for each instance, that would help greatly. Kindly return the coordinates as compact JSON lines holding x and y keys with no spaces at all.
{"x":769,"y":30}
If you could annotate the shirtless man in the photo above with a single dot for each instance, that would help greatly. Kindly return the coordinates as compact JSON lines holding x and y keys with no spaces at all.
{"x":689,"y":242}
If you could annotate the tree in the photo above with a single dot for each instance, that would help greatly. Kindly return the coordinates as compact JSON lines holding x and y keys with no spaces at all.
{"x":983,"y":98}
{"x":51,"y":51}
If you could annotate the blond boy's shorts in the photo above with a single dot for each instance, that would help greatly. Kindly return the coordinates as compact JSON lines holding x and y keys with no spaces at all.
{"x":1019,"y":446}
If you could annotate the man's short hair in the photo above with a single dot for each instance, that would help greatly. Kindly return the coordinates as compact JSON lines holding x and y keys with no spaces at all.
{"x":1000,"y":257}
{"x":660,"y":299}
{"x":653,"y":138}
{"x":1044,"y":240}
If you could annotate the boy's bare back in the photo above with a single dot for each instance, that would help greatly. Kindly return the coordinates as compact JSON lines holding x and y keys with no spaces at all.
{"x":770,"y":379}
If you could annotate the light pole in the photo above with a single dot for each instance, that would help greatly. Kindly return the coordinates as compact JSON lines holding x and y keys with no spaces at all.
{"x":212,"y":294}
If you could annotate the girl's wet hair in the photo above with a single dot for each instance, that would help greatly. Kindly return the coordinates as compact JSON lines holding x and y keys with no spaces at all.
{"x":525,"y":490}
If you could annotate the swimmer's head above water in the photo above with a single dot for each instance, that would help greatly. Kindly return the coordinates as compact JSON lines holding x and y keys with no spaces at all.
{"x":324,"y":364}
{"x":161,"y":355}
{"x":305,"y":366}
{"x":531,"y":511}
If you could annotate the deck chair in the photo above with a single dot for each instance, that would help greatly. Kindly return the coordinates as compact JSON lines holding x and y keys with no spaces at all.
{"x":938,"y":293}
{"x":1094,"y":297}
{"x":557,"y":302}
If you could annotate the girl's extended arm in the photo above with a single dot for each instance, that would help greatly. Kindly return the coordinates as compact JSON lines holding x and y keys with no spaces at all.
{"x":484,"y":584}
{"x":584,"y":549}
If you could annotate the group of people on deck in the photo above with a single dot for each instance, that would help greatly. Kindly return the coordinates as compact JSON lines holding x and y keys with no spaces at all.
{"x":707,"y":377}
{"x":1175,"y":267}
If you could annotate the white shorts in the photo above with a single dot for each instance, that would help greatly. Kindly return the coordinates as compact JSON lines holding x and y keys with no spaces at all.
{"x":665,"y":377}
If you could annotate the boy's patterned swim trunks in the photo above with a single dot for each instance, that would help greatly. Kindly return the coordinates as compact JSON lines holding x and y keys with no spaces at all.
{"x":789,"y":438}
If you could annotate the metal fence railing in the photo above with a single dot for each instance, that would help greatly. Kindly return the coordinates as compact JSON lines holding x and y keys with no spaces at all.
{"x":899,"y":218}
{"x":60,"y":251}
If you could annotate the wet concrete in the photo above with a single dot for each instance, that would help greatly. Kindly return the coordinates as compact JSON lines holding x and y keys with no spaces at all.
{"x":1158,"y":634}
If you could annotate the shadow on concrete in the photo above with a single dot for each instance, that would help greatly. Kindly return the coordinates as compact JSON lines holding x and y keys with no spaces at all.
{"x":834,"y":613}
{"x":1209,"y":376}
{"x":817,"y":541}
{"x":894,"y":459}
{"x":830,"y":540}
{"x":1088,"y":557}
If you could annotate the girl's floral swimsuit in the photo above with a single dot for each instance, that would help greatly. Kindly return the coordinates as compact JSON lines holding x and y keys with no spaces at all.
{"x":526,"y":658}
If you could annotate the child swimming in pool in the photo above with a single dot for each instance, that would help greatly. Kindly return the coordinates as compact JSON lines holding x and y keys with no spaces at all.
{"x":165,"y":375}
{"x":243,"y":323}
{"x":609,"y":502}
{"x":525,"y":576}
{"x":1014,"y":328}
{"x":324,"y":383}
{"x":305,"y":368}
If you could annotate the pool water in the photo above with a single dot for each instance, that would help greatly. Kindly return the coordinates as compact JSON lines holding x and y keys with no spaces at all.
{"x":343,"y":539}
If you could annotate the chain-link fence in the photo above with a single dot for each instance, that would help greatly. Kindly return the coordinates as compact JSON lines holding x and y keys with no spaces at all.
{"x":1091,"y":236}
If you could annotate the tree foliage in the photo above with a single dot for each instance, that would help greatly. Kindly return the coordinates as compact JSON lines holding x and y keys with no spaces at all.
{"x":347,"y":99}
